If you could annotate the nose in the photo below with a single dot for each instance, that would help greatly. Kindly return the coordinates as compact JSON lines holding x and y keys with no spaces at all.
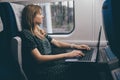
{"x":43,"y":16}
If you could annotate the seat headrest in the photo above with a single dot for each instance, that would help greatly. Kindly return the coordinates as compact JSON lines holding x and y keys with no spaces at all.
{"x":8,"y":19}
{"x":17,"y":9}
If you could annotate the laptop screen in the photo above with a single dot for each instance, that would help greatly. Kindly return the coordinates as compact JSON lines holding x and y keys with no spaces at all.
{"x":99,"y":37}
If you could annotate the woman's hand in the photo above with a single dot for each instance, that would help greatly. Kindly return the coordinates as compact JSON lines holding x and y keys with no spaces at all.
{"x":83,"y":46}
{"x":74,"y":53}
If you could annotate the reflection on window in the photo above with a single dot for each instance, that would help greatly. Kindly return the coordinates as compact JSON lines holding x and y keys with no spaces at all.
{"x":59,"y":17}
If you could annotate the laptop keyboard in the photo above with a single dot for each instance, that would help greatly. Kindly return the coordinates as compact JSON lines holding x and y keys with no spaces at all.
{"x":87,"y":58}
{"x":88,"y":54}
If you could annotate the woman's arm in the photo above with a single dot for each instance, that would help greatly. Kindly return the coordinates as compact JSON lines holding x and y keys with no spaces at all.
{"x":60,"y":43}
{"x":68,"y":45}
{"x":45,"y":58}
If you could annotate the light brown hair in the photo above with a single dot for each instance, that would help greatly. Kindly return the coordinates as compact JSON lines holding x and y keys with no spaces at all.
{"x":28,"y":14}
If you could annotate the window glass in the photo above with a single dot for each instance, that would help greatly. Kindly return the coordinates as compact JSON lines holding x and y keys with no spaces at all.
{"x":59,"y":17}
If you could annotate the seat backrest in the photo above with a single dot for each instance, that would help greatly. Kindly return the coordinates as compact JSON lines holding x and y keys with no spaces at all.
{"x":1,"y":25}
{"x":10,"y":27}
{"x":111,"y":21}
{"x":16,"y":50}
{"x":10,"y":14}
{"x":1,"y":35}
{"x":8,"y":19}
{"x":16,"y":42}
{"x":17,"y":9}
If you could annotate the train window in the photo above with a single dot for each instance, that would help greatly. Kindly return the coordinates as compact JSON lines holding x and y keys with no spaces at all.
{"x":1,"y":25}
{"x":59,"y":17}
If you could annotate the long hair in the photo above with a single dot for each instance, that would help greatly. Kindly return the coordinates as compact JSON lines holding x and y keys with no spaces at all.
{"x":28,"y":14}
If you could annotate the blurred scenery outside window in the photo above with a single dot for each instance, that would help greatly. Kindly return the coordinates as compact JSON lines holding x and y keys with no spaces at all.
{"x":59,"y":17}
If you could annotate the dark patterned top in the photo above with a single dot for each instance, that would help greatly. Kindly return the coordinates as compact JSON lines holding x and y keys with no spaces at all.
{"x":52,"y":70}
{"x":30,"y":42}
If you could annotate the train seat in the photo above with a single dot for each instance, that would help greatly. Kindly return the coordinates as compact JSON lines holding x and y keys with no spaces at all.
{"x":16,"y":42}
{"x":10,"y":42}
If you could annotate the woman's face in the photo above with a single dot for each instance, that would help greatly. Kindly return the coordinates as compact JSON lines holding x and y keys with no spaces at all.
{"x":38,"y":19}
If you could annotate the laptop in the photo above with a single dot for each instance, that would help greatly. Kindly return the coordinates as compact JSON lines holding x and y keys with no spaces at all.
{"x":90,"y":55}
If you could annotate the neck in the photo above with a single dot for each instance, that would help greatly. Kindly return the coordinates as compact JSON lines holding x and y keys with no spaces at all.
{"x":38,"y":32}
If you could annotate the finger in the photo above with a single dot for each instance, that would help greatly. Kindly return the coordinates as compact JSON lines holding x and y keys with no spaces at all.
{"x":89,"y":48}
{"x":86,"y":47}
{"x":82,"y":54}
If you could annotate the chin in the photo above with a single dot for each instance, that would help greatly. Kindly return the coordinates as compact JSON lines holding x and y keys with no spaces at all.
{"x":39,"y":23}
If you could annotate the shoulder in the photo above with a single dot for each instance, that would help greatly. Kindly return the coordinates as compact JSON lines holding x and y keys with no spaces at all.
{"x":49,"y":38}
{"x":26,"y":34}
{"x":28,"y":40}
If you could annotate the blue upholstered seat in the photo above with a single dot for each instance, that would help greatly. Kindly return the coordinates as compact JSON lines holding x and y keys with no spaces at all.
{"x":10,"y":68}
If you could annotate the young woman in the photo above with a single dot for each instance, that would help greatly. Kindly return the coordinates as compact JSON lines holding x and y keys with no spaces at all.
{"x":38,"y":61}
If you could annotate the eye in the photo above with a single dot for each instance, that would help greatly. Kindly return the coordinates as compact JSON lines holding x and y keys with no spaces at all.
{"x":40,"y":13}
